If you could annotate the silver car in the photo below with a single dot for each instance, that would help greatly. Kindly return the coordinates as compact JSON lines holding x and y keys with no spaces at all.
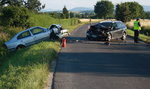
{"x":34,"y":35}
{"x":28,"y":37}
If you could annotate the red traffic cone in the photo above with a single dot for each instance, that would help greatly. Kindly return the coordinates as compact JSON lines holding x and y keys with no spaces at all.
{"x":64,"y":43}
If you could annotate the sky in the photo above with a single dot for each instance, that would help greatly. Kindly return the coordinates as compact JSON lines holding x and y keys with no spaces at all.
{"x":59,"y":4}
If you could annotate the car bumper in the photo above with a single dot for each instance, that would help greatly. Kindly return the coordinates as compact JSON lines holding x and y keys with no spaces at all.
{"x":97,"y":37}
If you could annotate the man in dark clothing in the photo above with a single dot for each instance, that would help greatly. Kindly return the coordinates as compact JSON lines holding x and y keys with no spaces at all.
{"x":137,"y":28}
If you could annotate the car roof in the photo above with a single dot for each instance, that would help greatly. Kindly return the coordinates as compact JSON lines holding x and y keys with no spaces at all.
{"x":30,"y":29}
{"x":110,"y":21}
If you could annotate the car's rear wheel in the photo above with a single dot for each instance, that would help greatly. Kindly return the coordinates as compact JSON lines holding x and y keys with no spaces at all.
{"x":123,"y":36}
{"x":88,"y":38}
{"x":20,"y":47}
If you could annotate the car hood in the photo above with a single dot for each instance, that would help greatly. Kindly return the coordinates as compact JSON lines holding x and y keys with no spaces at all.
{"x":64,"y":30}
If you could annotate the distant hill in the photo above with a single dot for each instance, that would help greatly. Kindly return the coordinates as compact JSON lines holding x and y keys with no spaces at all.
{"x":49,"y":10}
{"x":146,"y":8}
{"x":80,"y":9}
{"x":83,"y":9}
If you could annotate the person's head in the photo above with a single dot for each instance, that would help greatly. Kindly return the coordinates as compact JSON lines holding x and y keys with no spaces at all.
{"x":137,"y":19}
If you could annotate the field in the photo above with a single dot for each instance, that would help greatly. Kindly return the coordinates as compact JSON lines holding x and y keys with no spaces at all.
{"x":144,"y":33}
{"x":145,"y":26}
{"x":29,"y":68}
{"x":95,"y":20}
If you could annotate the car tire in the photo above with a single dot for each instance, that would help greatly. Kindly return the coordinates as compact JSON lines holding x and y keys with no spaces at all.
{"x":123,"y":36}
{"x":20,"y":47}
{"x":88,"y":38}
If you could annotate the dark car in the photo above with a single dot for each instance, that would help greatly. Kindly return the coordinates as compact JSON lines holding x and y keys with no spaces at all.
{"x":107,"y":30}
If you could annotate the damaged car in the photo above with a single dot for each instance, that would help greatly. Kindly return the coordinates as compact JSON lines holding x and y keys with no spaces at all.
{"x":58,"y":32}
{"x":34,"y":35}
{"x":107,"y":30}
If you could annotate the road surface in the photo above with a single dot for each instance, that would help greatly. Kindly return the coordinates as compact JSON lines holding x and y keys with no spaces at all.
{"x":94,"y":65}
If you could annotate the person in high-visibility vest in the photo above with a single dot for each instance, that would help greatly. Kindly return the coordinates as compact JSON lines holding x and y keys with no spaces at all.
{"x":137,"y":28}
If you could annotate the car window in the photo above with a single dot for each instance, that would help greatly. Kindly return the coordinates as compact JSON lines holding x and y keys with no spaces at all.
{"x":107,"y":24}
{"x":120,"y":25}
{"x":37,"y":31}
{"x":53,"y":26}
{"x":24,"y":34}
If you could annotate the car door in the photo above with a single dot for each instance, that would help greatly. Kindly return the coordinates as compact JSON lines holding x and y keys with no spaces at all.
{"x":39,"y":34}
{"x":120,"y":29}
{"x":114,"y":31}
{"x":25,"y":38}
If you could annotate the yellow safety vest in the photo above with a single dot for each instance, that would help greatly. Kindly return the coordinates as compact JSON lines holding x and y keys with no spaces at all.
{"x":136,"y":25}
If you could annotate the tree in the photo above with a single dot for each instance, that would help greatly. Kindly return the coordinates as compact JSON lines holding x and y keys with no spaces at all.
{"x":129,"y":10}
{"x":123,"y":12}
{"x":33,"y":5}
{"x":104,"y":9}
{"x":147,"y":15}
{"x":14,"y":16}
{"x":30,"y":4}
{"x":136,"y":9}
{"x":11,"y":2}
{"x":65,"y":12}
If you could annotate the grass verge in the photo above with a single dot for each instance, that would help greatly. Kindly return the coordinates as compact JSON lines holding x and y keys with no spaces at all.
{"x":141,"y":36}
{"x":29,"y":68}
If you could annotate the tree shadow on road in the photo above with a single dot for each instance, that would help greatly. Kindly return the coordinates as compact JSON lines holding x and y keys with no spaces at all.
{"x":108,"y":64}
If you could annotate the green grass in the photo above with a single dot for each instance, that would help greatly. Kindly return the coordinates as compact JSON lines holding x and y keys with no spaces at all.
{"x":45,"y":20}
{"x":28,"y":68}
{"x":141,"y":36}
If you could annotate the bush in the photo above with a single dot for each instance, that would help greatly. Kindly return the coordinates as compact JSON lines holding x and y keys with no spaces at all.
{"x":14,"y":16}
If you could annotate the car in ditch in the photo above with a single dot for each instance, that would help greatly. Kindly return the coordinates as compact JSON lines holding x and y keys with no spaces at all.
{"x":107,"y":30}
{"x":31,"y":36}
{"x":27,"y":37}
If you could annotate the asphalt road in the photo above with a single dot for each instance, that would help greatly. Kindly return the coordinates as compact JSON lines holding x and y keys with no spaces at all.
{"x":94,"y":65}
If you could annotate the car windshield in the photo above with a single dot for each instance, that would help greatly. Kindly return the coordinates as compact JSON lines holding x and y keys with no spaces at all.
{"x":106,"y":24}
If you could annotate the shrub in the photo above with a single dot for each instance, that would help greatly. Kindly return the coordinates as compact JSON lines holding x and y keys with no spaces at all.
{"x":14,"y":16}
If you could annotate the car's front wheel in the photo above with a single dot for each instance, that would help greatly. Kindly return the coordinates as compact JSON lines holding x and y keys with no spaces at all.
{"x":88,"y":38}
{"x":108,"y":37}
{"x":20,"y":47}
{"x":123,"y":36}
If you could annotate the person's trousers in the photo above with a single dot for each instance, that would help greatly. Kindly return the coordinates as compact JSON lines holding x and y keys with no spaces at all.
{"x":136,"y":35}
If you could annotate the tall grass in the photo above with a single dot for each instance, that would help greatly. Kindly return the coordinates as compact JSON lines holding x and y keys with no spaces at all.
{"x":28,"y":68}
{"x":45,"y":20}
{"x":141,"y":36}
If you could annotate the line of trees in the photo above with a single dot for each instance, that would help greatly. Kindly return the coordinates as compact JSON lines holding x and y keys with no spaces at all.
{"x":124,"y":11}
{"x":17,"y":12}
{"x":29,"y":4}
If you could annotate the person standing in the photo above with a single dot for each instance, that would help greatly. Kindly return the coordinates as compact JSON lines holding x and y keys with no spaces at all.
{"x":137,"y":28}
